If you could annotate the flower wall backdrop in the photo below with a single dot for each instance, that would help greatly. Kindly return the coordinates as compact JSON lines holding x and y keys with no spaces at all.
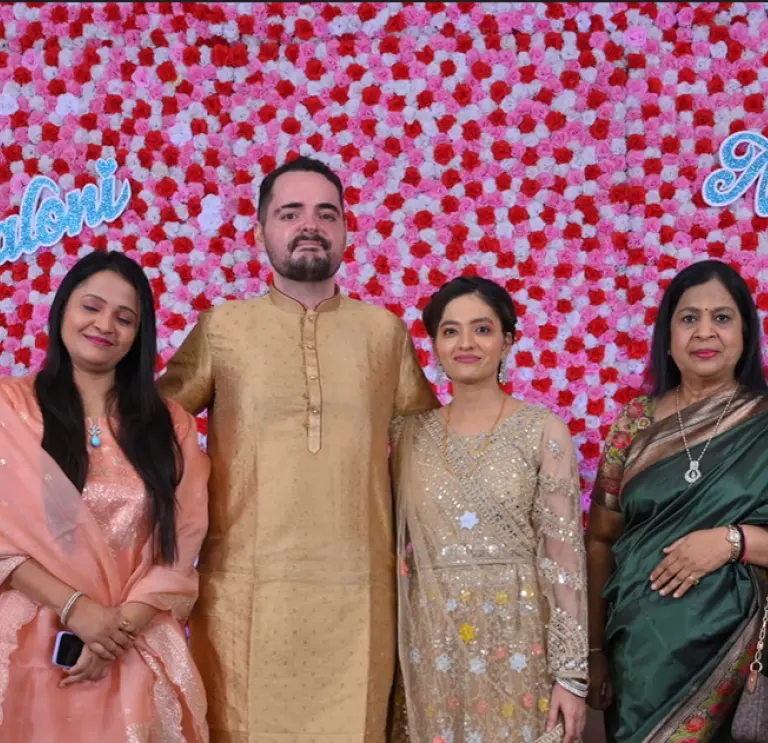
{"x":558,"y":148}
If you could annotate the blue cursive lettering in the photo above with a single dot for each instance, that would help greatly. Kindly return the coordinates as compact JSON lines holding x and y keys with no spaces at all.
{"x":45,"y":226}
{"x":739,"y":172}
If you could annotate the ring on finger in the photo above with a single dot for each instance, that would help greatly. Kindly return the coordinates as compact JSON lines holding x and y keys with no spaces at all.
{"x":693,"y":580}
{"x":125,"y":627}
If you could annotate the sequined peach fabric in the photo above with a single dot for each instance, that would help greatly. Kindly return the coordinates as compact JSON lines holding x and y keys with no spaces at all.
{"x":492,"y":578}
{"x":98,"y":543}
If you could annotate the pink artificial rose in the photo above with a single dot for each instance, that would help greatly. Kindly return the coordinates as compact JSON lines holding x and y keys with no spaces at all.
{"x":599,"y":39}
{"x":636,"y":36}
{"x":665,"y":20}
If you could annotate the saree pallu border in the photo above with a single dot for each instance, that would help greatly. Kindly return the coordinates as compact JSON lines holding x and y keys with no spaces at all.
{"x":700,"y":716}
{"x":662,"y":440}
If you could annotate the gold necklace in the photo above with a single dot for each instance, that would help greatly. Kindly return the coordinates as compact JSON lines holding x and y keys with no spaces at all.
{"x":478,"y":453}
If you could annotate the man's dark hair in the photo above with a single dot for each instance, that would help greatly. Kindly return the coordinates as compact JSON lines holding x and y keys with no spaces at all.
{"x":299,"y":165}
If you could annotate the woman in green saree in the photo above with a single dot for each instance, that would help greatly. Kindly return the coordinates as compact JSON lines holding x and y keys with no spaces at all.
{"x":676,"y":541}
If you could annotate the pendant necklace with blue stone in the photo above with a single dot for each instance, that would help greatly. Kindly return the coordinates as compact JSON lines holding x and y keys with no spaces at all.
{"x":94,"y":433}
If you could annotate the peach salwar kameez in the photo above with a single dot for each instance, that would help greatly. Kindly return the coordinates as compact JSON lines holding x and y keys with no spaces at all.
{"x":97,"y":542}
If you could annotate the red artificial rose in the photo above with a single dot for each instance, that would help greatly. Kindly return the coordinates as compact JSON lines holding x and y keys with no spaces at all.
{"x":463,"y":94}
{"x":527,"y":267}
{"x":755,"y":103}
{"x":486,"y":215}
{"x":555,"y":121}
{"x":314,"y":69}
{"x":238,"y":55}
{"x":220,"y":55}
{"x":471,"y":130}
{"x":596,"y":407}
{"x":410,"y":277}
{"x":371,"y":95}
{"x":449,"y":204}
{"x":166,"y":188}
{"x":166,"y":72}
{"x":599,"y":130}
{"x":597,"y":326}
{"x":548,"y":215}
{"x":291,"y":126}
{"x":303,"y":29}
{"x":190,"y":56}
{"x":422,"y":219}
{"x":338,"y":123}
{"x":524,"y":359}
{"x":481,"y":70}
{"x":542,"y":385}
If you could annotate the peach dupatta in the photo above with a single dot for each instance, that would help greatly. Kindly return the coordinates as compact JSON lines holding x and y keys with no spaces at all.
{"x":153,"y":694}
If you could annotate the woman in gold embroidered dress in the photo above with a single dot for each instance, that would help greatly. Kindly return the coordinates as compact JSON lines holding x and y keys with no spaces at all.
{"x":104,"y":508}
{"x":493,"y":630}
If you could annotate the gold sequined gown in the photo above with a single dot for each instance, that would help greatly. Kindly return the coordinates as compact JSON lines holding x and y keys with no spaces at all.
{"x":492,"y":577}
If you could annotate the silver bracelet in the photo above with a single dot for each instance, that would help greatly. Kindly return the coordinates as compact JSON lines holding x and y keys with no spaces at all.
{"x":575,"y":687}
{"x":67,"y":610}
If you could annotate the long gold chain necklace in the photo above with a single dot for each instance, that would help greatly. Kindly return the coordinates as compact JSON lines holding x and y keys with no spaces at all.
{"x":487,"y":438}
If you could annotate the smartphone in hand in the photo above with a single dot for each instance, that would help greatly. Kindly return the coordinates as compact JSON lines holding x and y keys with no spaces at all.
{"x":67,"y":650}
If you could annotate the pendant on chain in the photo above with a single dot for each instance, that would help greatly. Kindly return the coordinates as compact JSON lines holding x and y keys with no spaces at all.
{"x":693,"y":473}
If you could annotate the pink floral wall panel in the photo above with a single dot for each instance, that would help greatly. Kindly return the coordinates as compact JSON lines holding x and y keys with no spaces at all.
{"x":558,"y":148}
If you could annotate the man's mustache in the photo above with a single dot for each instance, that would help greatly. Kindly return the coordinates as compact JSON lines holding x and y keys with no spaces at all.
{"x":309,"y":237}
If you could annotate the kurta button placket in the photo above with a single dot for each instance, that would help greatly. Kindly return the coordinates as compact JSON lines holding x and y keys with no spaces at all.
{"x":312,"y":373}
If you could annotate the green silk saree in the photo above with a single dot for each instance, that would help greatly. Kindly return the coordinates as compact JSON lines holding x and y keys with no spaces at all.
{"x":678,"y":665}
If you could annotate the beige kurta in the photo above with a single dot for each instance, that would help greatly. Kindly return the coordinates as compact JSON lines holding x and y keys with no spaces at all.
{"x":294,"y":632}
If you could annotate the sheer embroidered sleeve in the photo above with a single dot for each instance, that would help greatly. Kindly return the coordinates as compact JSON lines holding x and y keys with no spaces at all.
{"x":561,"y":554}
{"x":633,"y":417}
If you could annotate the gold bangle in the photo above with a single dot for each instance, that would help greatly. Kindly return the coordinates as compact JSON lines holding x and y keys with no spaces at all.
{"x":595,"y":650}
{"x":67,"y":610}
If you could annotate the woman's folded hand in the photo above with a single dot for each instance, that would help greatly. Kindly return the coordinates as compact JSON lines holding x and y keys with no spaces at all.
{"x":100,"y":629}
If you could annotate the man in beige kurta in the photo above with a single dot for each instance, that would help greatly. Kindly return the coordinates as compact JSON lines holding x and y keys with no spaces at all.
{"x":294,"y":631}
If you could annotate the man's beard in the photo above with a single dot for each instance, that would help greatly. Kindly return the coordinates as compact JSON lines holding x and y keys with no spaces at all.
{"x":307,"y":267}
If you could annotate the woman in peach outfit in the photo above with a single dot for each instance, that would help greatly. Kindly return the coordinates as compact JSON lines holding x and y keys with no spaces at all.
{"x":104,"y":508}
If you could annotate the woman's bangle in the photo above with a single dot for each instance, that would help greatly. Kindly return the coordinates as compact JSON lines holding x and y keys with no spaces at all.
{"x":592,"y":651}
{"x":577,"y":688}
{"x":67,"y":610}
{"x":743,"y":545}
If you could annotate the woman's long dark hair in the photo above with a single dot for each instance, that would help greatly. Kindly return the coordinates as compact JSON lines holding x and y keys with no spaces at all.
{"x":749,"y":370}
{"x":145,"y":430}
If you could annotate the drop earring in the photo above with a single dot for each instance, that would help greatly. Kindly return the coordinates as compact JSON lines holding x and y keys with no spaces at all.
{"x":503,"y":371}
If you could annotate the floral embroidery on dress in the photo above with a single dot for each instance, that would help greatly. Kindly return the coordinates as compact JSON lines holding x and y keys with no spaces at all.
{"x":556,"y":449}
{"x":518,"y":662}
{"x":467,"y":632}
{"x":634,"y":417}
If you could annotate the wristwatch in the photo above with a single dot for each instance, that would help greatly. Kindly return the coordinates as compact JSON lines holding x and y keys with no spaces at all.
{"x":734,"y":538}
